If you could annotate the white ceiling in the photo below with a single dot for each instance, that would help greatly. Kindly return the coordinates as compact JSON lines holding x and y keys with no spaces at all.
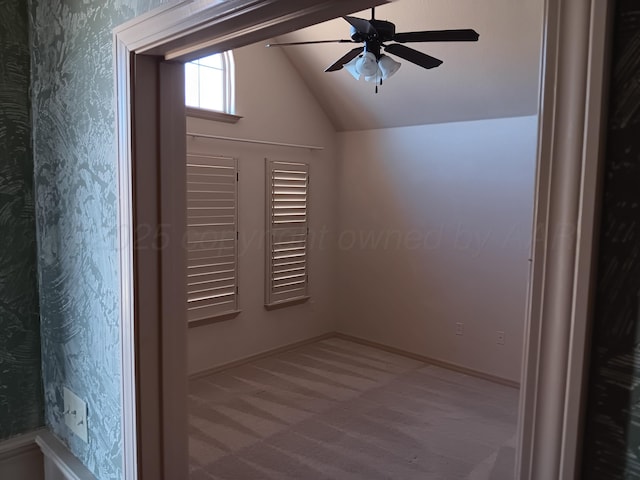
{"x":495,"y":77}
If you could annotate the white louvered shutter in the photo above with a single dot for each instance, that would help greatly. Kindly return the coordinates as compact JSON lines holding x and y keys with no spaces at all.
{"x":287,"y":225}
{"x":212,"y":239}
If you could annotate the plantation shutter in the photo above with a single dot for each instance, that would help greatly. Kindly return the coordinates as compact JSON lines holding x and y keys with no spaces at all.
{"x":287,"y":225}
{"x":212,"y":238}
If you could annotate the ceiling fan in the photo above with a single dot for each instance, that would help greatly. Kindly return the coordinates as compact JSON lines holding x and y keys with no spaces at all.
{"x":369,"y":61}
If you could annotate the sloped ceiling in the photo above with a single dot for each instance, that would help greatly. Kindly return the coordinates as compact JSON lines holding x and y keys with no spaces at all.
{"x":495,"y":77}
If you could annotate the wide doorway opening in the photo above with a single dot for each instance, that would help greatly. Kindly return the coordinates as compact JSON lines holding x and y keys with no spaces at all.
{"x":358,"y":262}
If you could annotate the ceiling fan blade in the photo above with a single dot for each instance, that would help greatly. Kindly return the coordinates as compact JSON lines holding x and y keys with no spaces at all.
{"x":361,"y":25}
{"x":465,"y":35}
{"x":313,"y":42}
{"x":345,"y":59}
{"x":414,"y":56}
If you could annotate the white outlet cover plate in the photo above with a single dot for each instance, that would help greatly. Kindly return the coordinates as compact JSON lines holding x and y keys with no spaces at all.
{"x":75,"y":413}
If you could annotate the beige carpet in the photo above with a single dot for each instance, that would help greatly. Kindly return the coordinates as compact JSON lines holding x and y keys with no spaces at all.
{"x":340,"y":410}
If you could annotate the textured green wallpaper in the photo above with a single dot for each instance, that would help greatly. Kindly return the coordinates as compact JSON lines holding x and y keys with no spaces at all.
{"x":20,"y":381}
{"x":77,"y":217}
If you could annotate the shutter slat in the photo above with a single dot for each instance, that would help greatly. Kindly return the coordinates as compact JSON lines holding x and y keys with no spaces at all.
{"x":210,"y":223}
{"x":289,"y":191}
{"x":203,"y":187}
{"x":289,"y":248}
{"x":290,"y":276}
{"x":276,"y":265}
{"x":196,"y":232}
{"x":212,"y":293}
{"x":280,"y":270}
{"x":204,"y":300}
{"x":209,"y":258}
{"x":207,"y":277}
{"x":196,"y":216}
{"x":212,"y":268}
{"x":213,"y":197}
{"x":197,"y":244}
{"x":205,"y":175}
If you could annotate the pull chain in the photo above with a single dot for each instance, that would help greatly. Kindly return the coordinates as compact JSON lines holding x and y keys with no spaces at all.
{"x":377,"y":85}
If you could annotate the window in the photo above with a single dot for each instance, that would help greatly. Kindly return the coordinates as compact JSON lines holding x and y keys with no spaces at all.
{"x":212,"y":236}
{"x":209,"y":83}
{"x":287,"y":228}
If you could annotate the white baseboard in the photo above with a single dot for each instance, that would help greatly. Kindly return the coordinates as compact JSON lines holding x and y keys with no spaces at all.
{"x":258,"y":356}
{"x":434,"y":361}
{"x":59,"y":462}
{"x":422,"y":358}
{"x":21,"y":459}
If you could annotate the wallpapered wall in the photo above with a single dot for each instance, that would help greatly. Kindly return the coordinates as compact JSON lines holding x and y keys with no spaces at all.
{"x":76,"y":214}
{"x":612,"y":440}
{"x":20,"y":382}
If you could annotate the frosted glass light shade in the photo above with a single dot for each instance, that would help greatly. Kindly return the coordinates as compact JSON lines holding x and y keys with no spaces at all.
{"x":367,"y":65}
{"x":388,"y":66}
{"x":352,"y":68}
{"x":374,"y":78}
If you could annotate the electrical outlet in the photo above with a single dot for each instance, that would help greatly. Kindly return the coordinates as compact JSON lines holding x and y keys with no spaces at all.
{"x":75,"y":413}
{"x":500,"y":338}
{"x":459,"y":328}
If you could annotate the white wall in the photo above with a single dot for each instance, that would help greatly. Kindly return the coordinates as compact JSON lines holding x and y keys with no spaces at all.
{"x":434,"y":225}
{"x":276,"y":106}
{"x":450,"y":207}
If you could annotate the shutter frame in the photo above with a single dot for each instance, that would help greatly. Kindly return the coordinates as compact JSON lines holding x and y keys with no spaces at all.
{"x":287,"y":233}
{"x":212,"y":237}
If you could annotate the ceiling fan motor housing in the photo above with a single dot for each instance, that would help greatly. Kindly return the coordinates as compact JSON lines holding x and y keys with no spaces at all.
{"x":385,"y":32}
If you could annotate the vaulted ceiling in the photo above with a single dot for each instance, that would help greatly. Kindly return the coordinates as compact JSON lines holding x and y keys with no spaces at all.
{"x":495,"y":77}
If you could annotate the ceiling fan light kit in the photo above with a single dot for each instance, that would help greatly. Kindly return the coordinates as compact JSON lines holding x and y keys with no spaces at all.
{"x":365,"y":65}
{"x":372,"y":69}
{"x":374,"y":66}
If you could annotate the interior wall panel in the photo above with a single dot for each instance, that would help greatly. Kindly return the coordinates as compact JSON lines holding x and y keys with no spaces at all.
{"x":612,"y":440}
{"x":20,"y":381}
{"x":77,"y":217}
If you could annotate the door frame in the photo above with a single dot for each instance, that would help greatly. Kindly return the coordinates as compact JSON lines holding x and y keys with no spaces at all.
{"x":571,"y":125}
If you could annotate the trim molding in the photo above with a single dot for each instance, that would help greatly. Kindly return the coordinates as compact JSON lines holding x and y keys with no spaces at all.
{"x":287,"y":303}
{"x":212,"y":115}
{"x":222,"y":317}
{"x":15,"y":446}
{"x":259,"y":356}
{"x":430,"y":360}
{"x":58,"y":455}
{"x":20,"y":457}
{"x":594,"y":151}
{"x":559,"y":299}
{"x":558,"y":307}
{"x":123,"y":78}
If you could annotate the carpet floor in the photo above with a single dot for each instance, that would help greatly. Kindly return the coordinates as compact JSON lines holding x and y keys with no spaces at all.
{"x":338,"y":410}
